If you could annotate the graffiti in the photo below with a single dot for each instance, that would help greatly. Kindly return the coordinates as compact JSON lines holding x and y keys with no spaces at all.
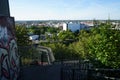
{"x":9,"y":59}
{"x":3,"y":35}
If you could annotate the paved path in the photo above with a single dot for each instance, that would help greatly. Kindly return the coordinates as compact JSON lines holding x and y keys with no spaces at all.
{"x":51,"y":72}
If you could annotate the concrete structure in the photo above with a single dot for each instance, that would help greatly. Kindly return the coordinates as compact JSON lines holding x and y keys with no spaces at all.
{"x":4,"y":8}
{"x":9,"y":59}
{"x":48,"y":54}
{"x":73,"y":26}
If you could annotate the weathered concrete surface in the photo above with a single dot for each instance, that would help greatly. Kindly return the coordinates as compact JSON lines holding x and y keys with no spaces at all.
{"x":9,"y":59}
{"x":48,"y":72}
{"x":4,"y":8}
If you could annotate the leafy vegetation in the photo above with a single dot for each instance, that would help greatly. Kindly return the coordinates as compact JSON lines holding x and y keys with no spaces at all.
{"x":23,"y":42}
{"x":101,"y":44}
{"x":63,"y":52}
{"x":65,"y":35}
{"x":21,"y":36}
{"x":42,"y":30}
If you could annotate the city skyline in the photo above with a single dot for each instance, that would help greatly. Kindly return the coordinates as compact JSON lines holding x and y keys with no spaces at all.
{"x":64,"y":9}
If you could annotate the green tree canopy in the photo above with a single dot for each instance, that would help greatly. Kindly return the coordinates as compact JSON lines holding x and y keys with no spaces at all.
{"x":22,"y":36}
{"x":66,"y":35}
{"x":101,"y":44}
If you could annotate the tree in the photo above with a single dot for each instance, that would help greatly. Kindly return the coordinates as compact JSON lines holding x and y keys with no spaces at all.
{"x":42,"y":29}
{"x":52,"y":30}
{"x":22,"y":36}
{"x":81,"y":46}
{"x":24,"y":44}
{"x":101,"y":45}
{"x":66,"y":35}
{"x":63,"y":52}
{"x":35,"y":30}
{"x":104,"y":45}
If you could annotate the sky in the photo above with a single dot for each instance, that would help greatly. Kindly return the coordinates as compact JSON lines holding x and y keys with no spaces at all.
{"x":64,"y":9}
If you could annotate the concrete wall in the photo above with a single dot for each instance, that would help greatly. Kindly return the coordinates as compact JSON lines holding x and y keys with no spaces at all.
{"x":4,"y":8}
{"x":9,"y":59}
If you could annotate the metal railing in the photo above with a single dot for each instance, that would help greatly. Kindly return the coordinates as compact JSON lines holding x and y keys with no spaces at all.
{"x":76,"y":70}
{"x":104,"y":74}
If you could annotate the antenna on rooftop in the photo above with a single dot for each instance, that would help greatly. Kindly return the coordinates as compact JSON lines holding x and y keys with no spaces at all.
{"x":108,"y":21}
{"x":108,"y":16}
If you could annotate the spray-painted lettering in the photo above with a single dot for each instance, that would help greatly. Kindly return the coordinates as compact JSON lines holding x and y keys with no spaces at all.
{"x":9,"y":59}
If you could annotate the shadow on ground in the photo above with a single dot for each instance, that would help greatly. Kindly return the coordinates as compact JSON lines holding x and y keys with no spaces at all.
{"x":36,"y":72}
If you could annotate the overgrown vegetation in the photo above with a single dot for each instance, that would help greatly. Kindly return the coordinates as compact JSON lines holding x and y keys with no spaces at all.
{"x":42,"y":30}
{"x":100,"y":45}
{"x":21,"y":36}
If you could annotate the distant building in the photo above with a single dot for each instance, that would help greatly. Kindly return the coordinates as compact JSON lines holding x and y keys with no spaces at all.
{"x":88,"y":23}
{"x":65,"y":27}
{"x":34,"y":37}
{"x":74,"y":26}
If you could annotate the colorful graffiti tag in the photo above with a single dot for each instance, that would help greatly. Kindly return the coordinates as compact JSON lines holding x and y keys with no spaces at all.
{"x":9,"y":59}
